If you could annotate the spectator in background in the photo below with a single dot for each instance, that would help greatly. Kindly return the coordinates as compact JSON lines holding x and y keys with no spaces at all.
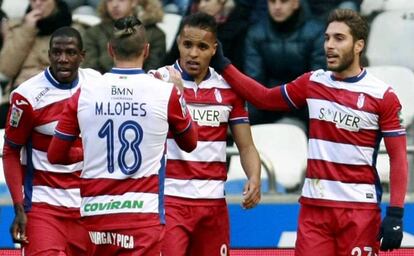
{"x":97,"y":37}
{"x":3,"y":20}
{"x":25,"y":47}
{"x":321,"y":8}
{"x":279,"y":48}
{"x":232,"y":24}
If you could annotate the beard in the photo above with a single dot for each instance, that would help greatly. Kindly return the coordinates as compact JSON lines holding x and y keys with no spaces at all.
{"x":344,"y":62}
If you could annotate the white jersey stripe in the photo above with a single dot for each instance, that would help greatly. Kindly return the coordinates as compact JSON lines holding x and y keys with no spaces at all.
{"x":41,"y":163}
{"x":344,"y":117}
{"x":338,"y":191}
{"x":340,"y":153}
{"x":208,"y":189}
{"x":47,"y":129}
{"x":206,"y":151}
{"x":130,"y":202}
{"x":56,"y":196}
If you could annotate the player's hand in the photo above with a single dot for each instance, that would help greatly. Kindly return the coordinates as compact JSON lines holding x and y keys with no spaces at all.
{"x":251,"y":193}
{"x":391,"y":231}
{"x":18,"y":227}
{"x":175,"y":78}
{"x":219,"y":62}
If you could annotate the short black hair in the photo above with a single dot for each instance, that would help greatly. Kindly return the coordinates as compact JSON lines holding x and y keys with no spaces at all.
{"x":201,"y":20}
{"x":67,"y":32}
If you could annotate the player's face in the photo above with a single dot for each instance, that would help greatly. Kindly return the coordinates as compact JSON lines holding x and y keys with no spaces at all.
{"x":197,"y":46}
{"x":281,"y":10}
{"x":341,"y":51}
{"x":118,"y":9}
{"x":46,"y":7}
{"x":65,"y":58}
{"x":211,"y":7}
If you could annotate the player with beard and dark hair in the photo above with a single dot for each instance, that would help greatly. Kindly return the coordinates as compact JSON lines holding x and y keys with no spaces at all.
{"x":350,"y":111}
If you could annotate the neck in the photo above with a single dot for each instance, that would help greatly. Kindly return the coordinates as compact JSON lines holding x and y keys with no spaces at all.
{"x":135,"y":63}
{"x":353,"y":70}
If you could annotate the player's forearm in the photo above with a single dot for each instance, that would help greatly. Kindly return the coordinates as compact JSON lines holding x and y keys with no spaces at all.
{"x":250,"y":161}
{"x":396,"y":148}
{"x":187,"y":140}
{"x":13,"y":173}
{"x":254,"y":92}
{"x":62,"y":152}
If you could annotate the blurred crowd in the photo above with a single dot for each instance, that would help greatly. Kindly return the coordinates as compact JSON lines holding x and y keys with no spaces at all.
{"x":272,"y":41}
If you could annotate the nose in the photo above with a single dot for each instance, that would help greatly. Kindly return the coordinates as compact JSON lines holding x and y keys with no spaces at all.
{"x":193,"y":52}
{"x":63,"y":58}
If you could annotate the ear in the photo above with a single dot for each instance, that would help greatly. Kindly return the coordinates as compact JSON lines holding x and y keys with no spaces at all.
{"x":146,"y":51}
{"x":215,"y":45}
{"x":359,"y":46}
{"x":110,"y":50}
{"x":82,"y":54}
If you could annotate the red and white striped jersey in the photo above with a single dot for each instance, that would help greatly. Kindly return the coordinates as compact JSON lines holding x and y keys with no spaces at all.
{"x":123,"y":120}
{"x":202,"y":173}
{"x":348,"y":119}
{"x":36,"y":106}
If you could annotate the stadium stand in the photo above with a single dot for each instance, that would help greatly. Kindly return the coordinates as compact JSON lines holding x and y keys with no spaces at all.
{"x":15,"y":9}
{"x":170,"y":25}
{"x":397,"y":4}
{"x":390,"y":41}
{"x":285,"y":147}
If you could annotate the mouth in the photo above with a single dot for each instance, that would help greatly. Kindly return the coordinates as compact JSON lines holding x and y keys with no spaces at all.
{"x":64,"y":72}
{"x":330,"y":58}
{"x":192,"y":64}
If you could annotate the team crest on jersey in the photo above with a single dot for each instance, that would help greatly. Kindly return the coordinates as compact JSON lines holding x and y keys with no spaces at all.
{"x":361,"y":100}
{"x":183,"y":106}
{"x":15,"y":116}
{"x":217,"y":93}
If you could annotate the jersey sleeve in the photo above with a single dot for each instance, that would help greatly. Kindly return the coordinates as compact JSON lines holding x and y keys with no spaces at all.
{"x":179,"y":118}
{"x":68,"y":126}
{"x":238,"y":114}
{"x":295,"y":92}
{"x":389,"y":115}
{"x":19,"y":122}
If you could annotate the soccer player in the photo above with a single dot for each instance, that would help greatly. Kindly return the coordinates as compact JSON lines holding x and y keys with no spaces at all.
{"x":350,"y":111}
{"x":47,"y":219}
{"x":197,"y":221}
{"x":123,"y":120}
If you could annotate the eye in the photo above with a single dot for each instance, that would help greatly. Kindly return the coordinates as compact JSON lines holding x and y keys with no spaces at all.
{"x":187,"y":44}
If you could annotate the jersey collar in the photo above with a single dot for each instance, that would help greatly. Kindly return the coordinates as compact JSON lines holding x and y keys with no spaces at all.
{"x":59,"y":85}
{"x":352,"y":79}
{"x":186,"y":76}
{"x":127,"y":71}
